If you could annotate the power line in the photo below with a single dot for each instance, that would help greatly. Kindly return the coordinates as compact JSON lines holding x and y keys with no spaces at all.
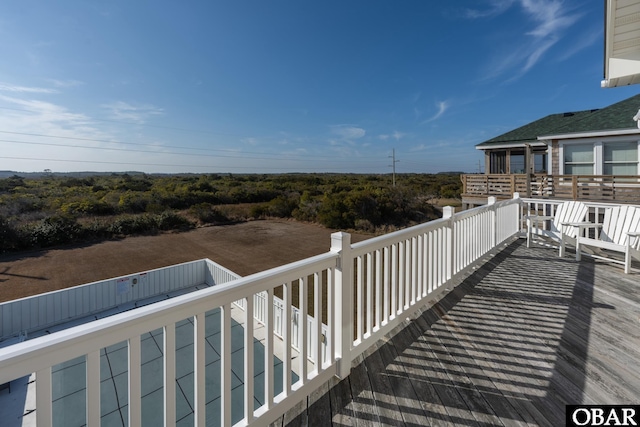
{"x":148,"y":164}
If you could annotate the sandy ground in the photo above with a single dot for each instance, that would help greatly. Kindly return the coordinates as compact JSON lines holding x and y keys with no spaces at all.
{"x":244,"y":248}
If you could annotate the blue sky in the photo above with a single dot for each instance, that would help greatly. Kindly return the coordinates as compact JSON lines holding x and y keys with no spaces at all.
{"x":287,"y":85}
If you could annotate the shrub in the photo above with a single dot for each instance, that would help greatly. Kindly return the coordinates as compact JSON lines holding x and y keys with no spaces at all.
{"x":206,"y":213}
{"x":168,"y":220}
{"x":55,"y":230}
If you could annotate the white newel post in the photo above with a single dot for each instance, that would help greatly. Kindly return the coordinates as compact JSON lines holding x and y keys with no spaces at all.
{"x":491,"y":201}
{"x":518,"y":224}
{"x":447,"y":213}
{"x":341,"y":244}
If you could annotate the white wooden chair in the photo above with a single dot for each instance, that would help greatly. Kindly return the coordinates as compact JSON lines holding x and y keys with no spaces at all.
{"x":619,"y":232}
{"x":559,"y":230}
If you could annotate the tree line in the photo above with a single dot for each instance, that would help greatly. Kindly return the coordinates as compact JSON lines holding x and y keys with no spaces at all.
{"x":55,"y":210}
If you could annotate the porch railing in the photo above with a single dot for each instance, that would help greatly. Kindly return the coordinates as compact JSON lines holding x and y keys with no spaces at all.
{"x":361,"y":291}
{"x":619,"y":188}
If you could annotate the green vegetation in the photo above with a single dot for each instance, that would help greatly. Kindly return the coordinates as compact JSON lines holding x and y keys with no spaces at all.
{"x":56,"y":210}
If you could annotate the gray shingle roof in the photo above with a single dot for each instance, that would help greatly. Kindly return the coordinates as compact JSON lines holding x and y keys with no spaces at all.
{"x":614,"y":117}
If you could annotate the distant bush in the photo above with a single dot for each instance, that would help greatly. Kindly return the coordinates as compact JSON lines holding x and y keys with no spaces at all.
{"x":55,"y":230}
{"x":207,"y":213}
{"x":168,"y":220}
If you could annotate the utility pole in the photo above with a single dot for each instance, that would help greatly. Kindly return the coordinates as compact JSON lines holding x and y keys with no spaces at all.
{"x":393,"y":165}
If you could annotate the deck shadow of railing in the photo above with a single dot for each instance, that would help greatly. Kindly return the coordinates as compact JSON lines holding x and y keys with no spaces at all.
{"x":508,"y":345}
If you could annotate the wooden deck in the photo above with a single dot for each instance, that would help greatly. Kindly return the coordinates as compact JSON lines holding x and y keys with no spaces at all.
{"x":521,"y":337}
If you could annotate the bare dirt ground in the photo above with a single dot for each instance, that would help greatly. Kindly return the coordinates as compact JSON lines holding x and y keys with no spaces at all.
{"x":243,"y":248}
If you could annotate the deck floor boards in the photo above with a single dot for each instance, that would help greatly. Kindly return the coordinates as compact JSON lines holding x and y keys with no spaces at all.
{"x":519,"y":338}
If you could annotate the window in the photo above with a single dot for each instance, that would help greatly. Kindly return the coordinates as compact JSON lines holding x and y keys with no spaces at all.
{"x":498,"y":162}
{"x":620,"y":158}
{"x":516,"y":162}
{"x":578,"y":159}
{"x":539,"y":162}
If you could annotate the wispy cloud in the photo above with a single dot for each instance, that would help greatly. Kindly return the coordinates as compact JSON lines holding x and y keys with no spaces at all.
{"x":4,"y":87}
{"x":442,"y":107}
{"x":121,"y":110}
{"x":66,"y":83}
{"x":496,"y":7}
{"x":347,"y":132}
{"x":397,"y":135}
{"x":550,"y":19}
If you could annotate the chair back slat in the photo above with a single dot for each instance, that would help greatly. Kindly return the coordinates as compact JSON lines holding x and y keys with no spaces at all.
{"x":569,"y":212}
{"x":617,"y":222}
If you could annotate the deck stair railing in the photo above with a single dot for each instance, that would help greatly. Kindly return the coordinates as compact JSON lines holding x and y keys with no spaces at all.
{"x":361,"y":291}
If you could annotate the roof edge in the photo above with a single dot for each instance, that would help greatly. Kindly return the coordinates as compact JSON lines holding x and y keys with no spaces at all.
{"x":629,"y":131}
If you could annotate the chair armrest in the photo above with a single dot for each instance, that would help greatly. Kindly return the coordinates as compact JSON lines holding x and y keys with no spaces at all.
{"x":633,"y":233}
{"x":583,"y":224}
{"x":539,"y":217}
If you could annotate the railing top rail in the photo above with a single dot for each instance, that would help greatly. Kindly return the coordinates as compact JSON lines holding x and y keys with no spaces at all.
{"x":202,"y":261}
{"x":586,"y":202}
{"x":32,"y":355}
{"x":396,"y":236}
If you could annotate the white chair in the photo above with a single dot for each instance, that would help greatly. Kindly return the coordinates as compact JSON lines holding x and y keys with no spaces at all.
{"x":560,"y":231}
{"x":619,"y":232}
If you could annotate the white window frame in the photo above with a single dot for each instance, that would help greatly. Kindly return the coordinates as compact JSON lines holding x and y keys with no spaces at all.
{"x":598,"y":151}
{"x":576,"y":142}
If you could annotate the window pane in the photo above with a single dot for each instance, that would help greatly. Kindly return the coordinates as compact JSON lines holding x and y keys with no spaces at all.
{"x":620,"y":169}
{"x":540,"y":162}
{"x":516,"y":163}
{"x":578,"y":169}
{"x":578,"y":153}
{"x":621,"y":152}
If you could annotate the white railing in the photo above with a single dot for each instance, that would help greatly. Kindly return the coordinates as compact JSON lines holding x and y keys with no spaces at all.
{"x":46,"y":310}
{"x":361,"y":292}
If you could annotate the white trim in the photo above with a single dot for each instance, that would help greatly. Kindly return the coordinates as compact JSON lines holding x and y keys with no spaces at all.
{"x":596,"y":134}
{"x":598,"y":152}
{"x":507,"y":145}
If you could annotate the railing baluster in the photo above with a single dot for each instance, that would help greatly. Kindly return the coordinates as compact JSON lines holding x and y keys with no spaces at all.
{"x":378,"y":286}
{"x":248,"y":362}
{"x":369,"y":313}
{"x":330,"y":337}
{"x":387,"y":277}
{"x":93,"y":388}
{"x":199,"y":356}
{"x":135,"y":381}
{"x":169,"y":375}
{"x":286,"y":338}
{"x":401,"y":276}
{"x":394,"y":280}
{"x":268,"y":350}
{"x":225,"y":365}
{"x":317,"y":314}
{"x":44,"y":411}
{"x":359,"y":306}
{"x":302,"y":328}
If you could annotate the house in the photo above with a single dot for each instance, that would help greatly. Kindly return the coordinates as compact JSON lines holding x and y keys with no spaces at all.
{"x":579,"y":149}
{"x":621,"y":43}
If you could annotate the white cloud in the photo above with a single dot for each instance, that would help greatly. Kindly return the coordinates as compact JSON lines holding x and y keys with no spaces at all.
{"x":495,"y":8}
{"x":121,"y":110}
{"x":347,"y":132}
{"x":442,"y":106}
{"x":250,"y":141}
{"x":66,"y":83}
{"x":24,"y":89}
{"x":550,"y":18}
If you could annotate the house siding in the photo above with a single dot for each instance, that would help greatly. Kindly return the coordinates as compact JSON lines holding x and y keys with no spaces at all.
{"x":555,"y":157}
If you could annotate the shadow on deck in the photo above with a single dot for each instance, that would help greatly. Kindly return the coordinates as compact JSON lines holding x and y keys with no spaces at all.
{"x":518,"y":339}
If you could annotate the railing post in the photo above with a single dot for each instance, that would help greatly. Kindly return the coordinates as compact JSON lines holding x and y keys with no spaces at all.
{"x":447,"y":213}
{"x":341,"y":245}
{"x":491,"y":201}
{"x":574,"y":187}
{"x":518,"y":224}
